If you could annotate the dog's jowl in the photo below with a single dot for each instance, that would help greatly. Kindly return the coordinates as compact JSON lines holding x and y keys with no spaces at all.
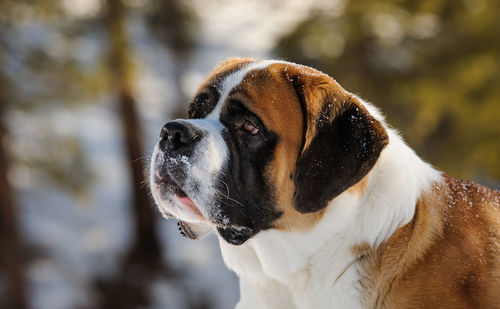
{"x":318,"y":203}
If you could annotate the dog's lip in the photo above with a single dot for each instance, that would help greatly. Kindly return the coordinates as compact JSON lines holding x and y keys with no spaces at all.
{"x":170,"y":184}
{"x":188,"y":204}
{"x":180,"y":195}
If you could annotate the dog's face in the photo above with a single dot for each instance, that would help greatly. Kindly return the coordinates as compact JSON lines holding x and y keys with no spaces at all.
{"x":267,"y":145}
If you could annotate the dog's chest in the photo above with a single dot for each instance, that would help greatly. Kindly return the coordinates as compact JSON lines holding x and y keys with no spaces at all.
{"x":323,"y":280}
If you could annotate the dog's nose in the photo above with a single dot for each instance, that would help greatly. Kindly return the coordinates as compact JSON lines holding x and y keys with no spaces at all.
{"x":177,"y":135}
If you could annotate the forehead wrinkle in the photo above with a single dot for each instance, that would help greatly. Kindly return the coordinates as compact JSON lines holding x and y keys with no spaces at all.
{"x":241,"y":94}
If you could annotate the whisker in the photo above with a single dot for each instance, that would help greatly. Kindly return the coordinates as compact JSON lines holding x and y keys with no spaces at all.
{"x":231,"y":199}
{"x":227,"y":187}
{"x":143,"y":158}
{"x":144,"y":184}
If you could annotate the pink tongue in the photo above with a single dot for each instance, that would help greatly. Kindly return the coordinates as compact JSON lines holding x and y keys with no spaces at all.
{"x":188,"y":203}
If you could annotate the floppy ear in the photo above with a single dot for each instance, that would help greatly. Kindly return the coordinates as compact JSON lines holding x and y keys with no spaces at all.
{"x":341,"y":143}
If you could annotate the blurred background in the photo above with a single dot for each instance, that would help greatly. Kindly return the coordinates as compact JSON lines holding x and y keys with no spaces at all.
{"x":86,"y":85}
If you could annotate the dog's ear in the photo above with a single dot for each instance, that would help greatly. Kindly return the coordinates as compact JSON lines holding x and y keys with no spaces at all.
{"x":341,"y":142}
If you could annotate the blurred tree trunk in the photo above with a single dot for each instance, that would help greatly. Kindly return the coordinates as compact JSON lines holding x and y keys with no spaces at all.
{"x":11,"y":257}
{"x":143,"y":261}
{"x":146,"y":241}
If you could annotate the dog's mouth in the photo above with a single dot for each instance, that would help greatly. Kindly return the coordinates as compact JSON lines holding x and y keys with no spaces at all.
{"x":167,"y":186}
{"x":182,"y":208}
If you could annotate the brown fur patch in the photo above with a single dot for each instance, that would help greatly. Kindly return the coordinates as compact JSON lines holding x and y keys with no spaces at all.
{"x":317,"y":88}
{"x":447,"y":256}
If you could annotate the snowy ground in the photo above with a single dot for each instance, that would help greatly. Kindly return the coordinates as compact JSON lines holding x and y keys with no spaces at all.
{"x":84,"y":238}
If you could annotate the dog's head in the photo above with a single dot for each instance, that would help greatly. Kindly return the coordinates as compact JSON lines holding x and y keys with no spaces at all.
{"x":268,"y":144}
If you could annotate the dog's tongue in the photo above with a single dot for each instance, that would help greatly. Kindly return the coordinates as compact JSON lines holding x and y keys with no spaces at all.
{"x":186,"y":201}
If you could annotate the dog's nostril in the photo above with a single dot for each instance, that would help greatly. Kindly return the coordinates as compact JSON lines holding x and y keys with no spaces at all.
{"x":176,"y":135}
{"x":164,"y":132}
{"x":176,"y":138}
{"x":187,"y":139}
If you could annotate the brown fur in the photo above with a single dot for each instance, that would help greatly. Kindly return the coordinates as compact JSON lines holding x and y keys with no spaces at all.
{"x":448,"y":256}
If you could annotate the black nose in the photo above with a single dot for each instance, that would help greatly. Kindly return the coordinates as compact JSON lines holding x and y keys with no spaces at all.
{"x":178,"y":135}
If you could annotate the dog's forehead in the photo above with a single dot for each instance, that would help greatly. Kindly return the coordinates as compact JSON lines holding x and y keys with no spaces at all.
{"x":270,"y":94}
{"x":262,"y":86}
{"x":230,"y":79}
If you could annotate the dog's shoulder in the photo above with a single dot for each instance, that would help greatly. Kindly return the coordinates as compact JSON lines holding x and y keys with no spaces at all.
{"x":449,"y":253}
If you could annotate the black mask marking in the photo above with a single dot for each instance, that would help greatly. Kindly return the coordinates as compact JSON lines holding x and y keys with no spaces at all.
{"x":204,"y":103}
{"x":246,"y":199}
{"x":235,"y":235}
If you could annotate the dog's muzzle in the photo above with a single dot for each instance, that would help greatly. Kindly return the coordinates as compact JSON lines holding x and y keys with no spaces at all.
{"x":171,"y":166}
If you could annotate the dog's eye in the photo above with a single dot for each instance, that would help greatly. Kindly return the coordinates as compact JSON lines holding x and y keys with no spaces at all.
{"x":250,"y":127}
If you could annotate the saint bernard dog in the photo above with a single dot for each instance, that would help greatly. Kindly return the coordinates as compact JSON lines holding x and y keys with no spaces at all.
{"x":317,"y":202}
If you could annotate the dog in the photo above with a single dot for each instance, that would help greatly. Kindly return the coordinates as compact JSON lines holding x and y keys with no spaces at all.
{"x":317,"y":202}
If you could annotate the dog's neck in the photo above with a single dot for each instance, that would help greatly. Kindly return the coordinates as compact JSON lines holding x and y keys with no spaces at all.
{"x":393,"y":187}
{"x":396,"y":183}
